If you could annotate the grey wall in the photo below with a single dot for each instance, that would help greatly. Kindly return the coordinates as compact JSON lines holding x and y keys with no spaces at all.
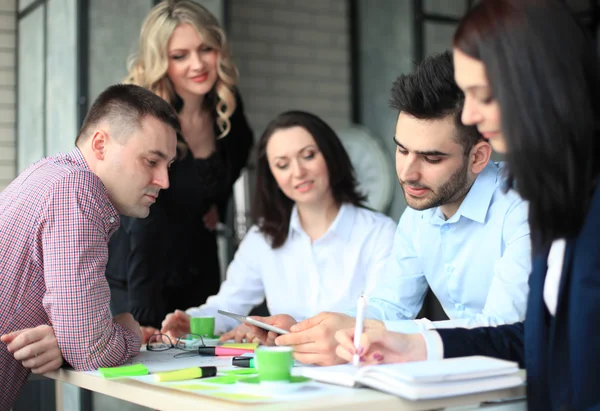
{"x":292,"y":54}
{"x":30,"y":124}
{"x":61,"y":70}
{"x":385,"y":47}
{"x":114,"y":31}
{"x":8,"y":30}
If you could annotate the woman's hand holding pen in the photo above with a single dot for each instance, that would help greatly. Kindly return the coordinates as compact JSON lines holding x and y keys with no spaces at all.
{"x":379,"y":346}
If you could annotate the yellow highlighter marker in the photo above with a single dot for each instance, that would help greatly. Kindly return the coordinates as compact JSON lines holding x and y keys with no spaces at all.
{"x":185,"y":374}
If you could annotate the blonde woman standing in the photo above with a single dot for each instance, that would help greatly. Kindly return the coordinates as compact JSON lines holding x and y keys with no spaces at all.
{"x":170,"y":259}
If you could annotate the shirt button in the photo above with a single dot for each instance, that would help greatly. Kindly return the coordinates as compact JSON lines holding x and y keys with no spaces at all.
{"x":459,"y":307}
{"x":111,"y":220}
{"x":445,"y":228}
{"x":449,"y":269}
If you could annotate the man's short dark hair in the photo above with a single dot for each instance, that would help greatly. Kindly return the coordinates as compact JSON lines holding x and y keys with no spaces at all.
{"x":431,"y":93}
{"x":123,"y":106}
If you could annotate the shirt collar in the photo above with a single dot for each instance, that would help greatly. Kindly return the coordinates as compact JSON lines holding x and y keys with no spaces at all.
{"x":77,"y":158}
{"x":341,"y":226}
{"x":112,"y":220}
{"x":477,"y":201}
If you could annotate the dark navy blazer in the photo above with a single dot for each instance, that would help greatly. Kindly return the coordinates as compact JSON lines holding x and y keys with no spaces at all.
{"x":562,"y":353}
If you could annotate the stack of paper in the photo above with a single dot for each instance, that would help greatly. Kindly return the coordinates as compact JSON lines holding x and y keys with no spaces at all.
{"x":426,"y":379}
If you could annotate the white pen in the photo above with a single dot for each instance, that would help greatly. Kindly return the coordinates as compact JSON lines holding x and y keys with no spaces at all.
{"x":358,"y":327}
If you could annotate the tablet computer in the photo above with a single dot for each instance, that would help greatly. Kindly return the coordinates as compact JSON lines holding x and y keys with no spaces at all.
{"x":248,"y":320}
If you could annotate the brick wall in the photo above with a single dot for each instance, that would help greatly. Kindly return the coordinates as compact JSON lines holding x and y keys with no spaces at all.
{"x":292,"y":54}
{"x":7,"y":91}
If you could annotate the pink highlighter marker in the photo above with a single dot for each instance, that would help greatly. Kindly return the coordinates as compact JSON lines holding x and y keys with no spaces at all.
{"x":223,"y":351}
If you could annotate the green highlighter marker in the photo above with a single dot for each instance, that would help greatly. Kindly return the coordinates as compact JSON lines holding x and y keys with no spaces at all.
{"x":246,"y":362}
{"x":185,"y":374}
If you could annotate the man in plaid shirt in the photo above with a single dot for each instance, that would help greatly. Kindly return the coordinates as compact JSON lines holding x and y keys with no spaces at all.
{"x":55,"y":222}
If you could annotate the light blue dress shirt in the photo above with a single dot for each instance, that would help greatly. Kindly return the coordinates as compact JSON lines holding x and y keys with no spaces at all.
{"x":477,"y":262}
{"x":303,"y":277}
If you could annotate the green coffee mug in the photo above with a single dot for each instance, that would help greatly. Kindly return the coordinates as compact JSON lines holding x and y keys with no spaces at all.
{"x":203,"y":326}
{"x":274,"y":363}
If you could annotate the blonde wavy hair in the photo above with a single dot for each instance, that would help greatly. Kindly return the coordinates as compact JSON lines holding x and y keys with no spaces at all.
{"x":148,"y":66}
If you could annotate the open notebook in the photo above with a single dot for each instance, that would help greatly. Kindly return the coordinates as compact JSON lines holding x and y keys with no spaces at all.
{"x":426,"y":379}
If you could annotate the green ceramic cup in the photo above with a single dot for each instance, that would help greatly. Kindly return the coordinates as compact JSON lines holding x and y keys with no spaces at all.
{"x":274,"y":364}
{"x":203,"y":326}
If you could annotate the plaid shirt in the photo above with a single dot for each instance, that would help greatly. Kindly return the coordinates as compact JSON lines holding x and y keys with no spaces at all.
{"x":55,"y":223}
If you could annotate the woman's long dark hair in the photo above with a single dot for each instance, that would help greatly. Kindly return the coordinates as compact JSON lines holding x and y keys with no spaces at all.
{"x":543,"y":72}
{"x":272,"y":209}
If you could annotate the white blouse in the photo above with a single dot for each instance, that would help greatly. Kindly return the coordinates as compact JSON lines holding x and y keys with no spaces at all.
{"x":556,"y":258}
{"x":303,"y":278}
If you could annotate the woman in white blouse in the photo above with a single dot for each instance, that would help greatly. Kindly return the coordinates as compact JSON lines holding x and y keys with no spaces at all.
{"x":315,"y":245}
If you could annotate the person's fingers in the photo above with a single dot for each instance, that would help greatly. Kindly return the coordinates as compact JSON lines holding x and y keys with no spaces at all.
{"x":250,"y":336}
{"x":36,"y":360}
{"x":309,"y":322}
{"x":8,"y":338}
{"x":241,"y":332}
{"x":343,"y":352}
{"x":147,"y":332}
{"x":178,"y":322}
{"x":345,"y":339}
{"x":173,"y":335}
{"x":271,"y":336}
{"x":375,"y":357}
{"x":30,"y":336}
{"x":301,"y":337}
{"x":28,"y":351}
{"x":259,"y":333}
{"x":239,"y":337}
{"x":167,"y":323}
{"x":50,"y":366}
{"x":307,"y":348}
{"x":181,"y":316}
{"x":227,"y":336}
{"x":346,"y":348}
{"x":364,"y":344}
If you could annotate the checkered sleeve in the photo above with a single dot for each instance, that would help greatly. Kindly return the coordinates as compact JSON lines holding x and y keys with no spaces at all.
{"x":74,"y":241}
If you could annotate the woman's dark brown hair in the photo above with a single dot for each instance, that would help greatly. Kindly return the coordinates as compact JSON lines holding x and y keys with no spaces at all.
{"x":543,"y":72}
{"x":272,"y":209}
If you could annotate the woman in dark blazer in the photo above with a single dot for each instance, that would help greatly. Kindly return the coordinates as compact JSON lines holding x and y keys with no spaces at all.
{"x":531,"y":82}
{"x":170,"y":259}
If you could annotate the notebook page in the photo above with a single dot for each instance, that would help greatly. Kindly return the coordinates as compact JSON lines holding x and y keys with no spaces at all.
{"x":337,"y":374}
{"x":450,"y":369}
{"x":432,"y":390}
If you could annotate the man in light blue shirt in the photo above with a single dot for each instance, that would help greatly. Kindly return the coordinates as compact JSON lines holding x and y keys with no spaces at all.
{"x":477,"y":261}
{"x":462,"y":234}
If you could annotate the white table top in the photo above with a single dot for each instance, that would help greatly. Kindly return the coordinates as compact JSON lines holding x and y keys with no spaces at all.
{"x":359,"y":399}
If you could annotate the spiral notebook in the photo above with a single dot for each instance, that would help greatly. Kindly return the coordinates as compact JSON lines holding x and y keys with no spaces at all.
{"x":426,"y":379}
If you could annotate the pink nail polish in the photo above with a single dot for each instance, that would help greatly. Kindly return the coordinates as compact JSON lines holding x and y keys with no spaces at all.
{"x":360,"y":351}
{"x":378,"y":357}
